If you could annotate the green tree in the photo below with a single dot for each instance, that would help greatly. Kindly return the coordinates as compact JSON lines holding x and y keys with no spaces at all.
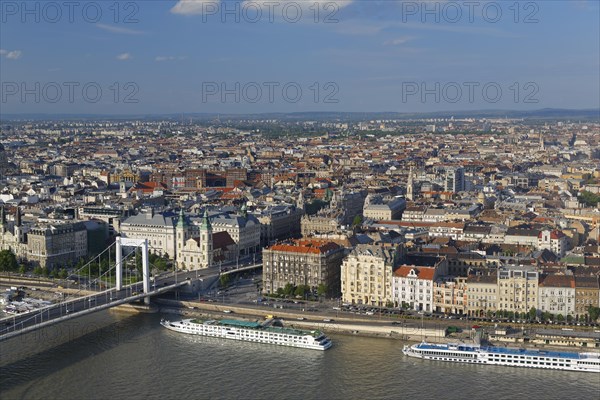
{"x":357,"y":221}
{"x":322,"y":289}
{"x":138,"y":260}
{"x":39,"y":271}
{"x":62,"y":273}
{"x":224,"y":280}
{"x":23,"y":269}
{"x":161,"y":264}
{"x":569,"y":318}
{"x":560,"y":318}
{"x":289,"y":288}
{"x":589,"y":199}
{"x":8,"y":261}
{"x":300,"y":290}
{"x":546,"y":316}
{"x":594,"y":312}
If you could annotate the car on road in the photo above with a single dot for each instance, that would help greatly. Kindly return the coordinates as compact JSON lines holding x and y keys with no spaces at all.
{"x":300,"y":318}
{"x":327,"y":320}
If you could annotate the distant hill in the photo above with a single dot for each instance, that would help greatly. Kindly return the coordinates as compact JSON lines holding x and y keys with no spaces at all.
{"x":542,"y":114}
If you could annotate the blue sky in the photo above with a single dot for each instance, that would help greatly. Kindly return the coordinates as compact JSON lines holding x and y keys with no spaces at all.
{"x":211,"y":56}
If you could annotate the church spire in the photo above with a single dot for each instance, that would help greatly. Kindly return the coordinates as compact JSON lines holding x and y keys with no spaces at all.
{"x":205,"y":221}
{"x":410,"y":185}
{"x":244,"y":210}
{"x":181,"y":221}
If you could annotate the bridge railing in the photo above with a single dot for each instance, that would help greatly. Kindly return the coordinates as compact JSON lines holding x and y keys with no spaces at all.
{"x":38,"y":316}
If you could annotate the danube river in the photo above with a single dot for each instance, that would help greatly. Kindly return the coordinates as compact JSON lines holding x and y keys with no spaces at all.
{"x":111,"y":355}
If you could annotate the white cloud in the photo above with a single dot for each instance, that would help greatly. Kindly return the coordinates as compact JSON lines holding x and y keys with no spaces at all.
{"x":124,"y":57}
{"x":169,"y":58}
{"x":398,"y":41}
{"x":195,"y":7}
{"x":118,"y":29}
{"x":11,"y":55}
{"x":14,"y":55}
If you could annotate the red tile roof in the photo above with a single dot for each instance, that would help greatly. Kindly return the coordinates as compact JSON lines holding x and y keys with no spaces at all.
{"x":563,"y":281}
{"x":148,"y":187}
{"x":554,"y":235}
{"x":312,"y":246}
{"x":422,"y":272}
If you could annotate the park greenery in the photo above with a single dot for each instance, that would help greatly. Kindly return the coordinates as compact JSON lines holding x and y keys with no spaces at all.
{"x":594,"y":313}
{"x":589,"y":199}
{"x":8,"y":261}
{"x":300,"y":291}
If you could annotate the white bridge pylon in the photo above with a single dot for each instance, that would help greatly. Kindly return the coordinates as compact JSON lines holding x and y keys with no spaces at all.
{"x":127,"y":242}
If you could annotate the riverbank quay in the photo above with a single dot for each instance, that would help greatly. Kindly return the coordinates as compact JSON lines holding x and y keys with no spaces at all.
{"x":341,"y":325}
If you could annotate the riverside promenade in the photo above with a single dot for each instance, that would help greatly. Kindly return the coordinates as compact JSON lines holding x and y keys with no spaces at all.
{"x":410,"y":331}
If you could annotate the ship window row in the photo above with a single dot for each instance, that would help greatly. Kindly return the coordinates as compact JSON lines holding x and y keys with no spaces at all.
{"x":546,"y":363}
{"x":441,"y":353}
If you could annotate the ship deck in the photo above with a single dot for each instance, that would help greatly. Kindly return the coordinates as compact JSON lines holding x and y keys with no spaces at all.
{"x":509,"y":351}
{"x":257,"y":326}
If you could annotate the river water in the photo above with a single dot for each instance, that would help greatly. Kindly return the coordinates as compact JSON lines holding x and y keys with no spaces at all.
{"x":111,"y":355}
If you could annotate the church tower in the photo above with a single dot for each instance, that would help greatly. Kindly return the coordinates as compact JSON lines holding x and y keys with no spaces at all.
{"x":3,"y":227}
{"x":244,"y":211}
{"x":182,"y":234}
{"x":410,"y":185}
{"x":206,"y":241}
{"x":300,"y":202}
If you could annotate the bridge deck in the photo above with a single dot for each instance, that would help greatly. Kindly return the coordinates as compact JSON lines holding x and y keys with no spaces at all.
{"x":31,"y":321}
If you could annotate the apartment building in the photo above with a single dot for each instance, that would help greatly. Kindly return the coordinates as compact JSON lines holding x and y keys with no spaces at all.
{"x":517,"y":289}
{"x":556,"y":294}
{"x":482,"y":294}
{"x":412,"y":287}
{"x":366,"y":274}
{"x":587,"y":293}
{"x":308,"y":262}
{"x":450,"y":295}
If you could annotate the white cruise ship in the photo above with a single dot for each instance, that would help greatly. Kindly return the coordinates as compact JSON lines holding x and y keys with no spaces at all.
{"x":473,"y":354}
{"x":252,"y":332}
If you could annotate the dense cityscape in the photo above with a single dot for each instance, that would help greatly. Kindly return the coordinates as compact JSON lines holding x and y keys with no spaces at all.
{"x":482,"y":217}
{"x":322,"y":199}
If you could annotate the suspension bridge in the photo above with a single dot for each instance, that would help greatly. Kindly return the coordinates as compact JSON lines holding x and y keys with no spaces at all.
{"x":117,"y":294}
